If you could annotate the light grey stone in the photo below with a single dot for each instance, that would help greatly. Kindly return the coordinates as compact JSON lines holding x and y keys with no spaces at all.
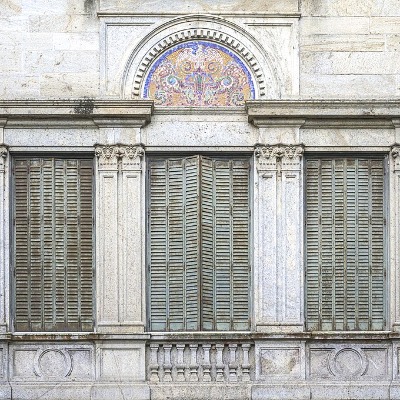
{"x":119,"y":391}
{"x":64,"y":85}
{"x":350,"y":7}
{"x":385,"y":25}
{"x":335,"y":26}
{"x":85,"y":41}
{"x":201,"y":392}
{"x":351,"y":63}
{"x":347,"y":137}
{"x":330,"y":43}
{"x":201,"y":6}
{"x":348,"y":86}
{"x":51,"y":362}
{"x":39,"y":62}
{"x":351,"y":391}
{"x":121,"y":362}
{"x":63,"y":23}
{"x":298,"y":391}
{"x":349,"y":362}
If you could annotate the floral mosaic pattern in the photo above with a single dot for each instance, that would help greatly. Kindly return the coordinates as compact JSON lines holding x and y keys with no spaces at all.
{"x":199,"y":73}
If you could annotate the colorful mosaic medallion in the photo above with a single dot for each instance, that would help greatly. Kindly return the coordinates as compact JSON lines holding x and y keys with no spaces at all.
{"x":199,"y":74}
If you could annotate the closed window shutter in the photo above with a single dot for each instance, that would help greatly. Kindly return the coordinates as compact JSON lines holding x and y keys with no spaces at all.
{"x":174,"y":244}
{"x":345,"y":244}
{"x":208,"y":235}
{"x":53,"y":244}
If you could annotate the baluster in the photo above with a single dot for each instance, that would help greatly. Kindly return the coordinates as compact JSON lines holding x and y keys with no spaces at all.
{"x":206,"y":363}
{"x":220,"y":363}
{"x":154,"y":362}
{"x":232,"y":363}
{"x":193,"y":363}
{"x":246,"y":363}
{"x":180,"y":366}
{"x":167,"y":363}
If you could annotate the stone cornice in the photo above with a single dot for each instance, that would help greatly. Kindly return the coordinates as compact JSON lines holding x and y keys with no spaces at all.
{"x":324,"y":112}
{"x":126,"y":112}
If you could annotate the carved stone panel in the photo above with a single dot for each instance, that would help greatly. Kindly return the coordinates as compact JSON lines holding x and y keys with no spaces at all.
{"x":51,"y":362}
{"x":121,"y":362}
{"x":280,"y":361}
{"x":348,"y":362}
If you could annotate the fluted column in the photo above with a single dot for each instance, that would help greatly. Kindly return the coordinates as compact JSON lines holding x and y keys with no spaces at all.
{"x":279,"y":238}
{"x":4,"y":237}
{"x":119,"y":233}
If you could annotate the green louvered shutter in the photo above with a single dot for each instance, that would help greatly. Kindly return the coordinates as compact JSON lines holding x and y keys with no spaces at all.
{"x":345,"y":244}
{"x":199,"y":232}
{"x":225,"y":239}
{"x":53,"y":244}
{"x":174,"y":244}
{"x":240,"y":192}
{"x":208,"y":244}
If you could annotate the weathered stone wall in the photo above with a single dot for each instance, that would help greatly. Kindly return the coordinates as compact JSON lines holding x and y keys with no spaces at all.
{"x":49,"y":49}
{"x":52,"y":49}
{"x":350,"y":48}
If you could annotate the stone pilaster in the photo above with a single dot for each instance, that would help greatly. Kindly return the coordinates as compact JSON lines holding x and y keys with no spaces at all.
{"x":119,"y":233}
{"x":4,"y":238}
{"x":394,"y":237}
{"x":278,"y":238}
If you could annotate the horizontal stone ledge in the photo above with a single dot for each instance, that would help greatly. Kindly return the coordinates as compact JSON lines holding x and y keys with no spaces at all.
{"x":265,"y":336}
{"x":270,"y":111}
{"x":78,"y":336}
{"x":105,"y":112}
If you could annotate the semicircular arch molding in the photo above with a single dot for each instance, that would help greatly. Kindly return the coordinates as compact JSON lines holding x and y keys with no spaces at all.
{"x":265,"y":70}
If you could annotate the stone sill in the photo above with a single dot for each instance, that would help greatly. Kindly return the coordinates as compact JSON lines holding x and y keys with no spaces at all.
{"x":259,"y":110}
{"x":70,"y":336}
{"x":199,"y":336}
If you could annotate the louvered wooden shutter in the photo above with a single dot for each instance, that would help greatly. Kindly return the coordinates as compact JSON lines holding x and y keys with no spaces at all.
{"x":225,"y":244}
{"x":206,"y":283}
{"x":53,"y":244}
{"x":345,"y":244}
{"x":174,"y":244}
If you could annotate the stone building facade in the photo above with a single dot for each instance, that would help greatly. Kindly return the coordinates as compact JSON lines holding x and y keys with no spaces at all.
{"x":200,"y":199}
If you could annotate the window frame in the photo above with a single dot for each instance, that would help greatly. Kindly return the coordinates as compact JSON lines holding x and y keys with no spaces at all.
{"x":161,"y":155}
{"x":385,"y":157}
{"x":57,"y":154}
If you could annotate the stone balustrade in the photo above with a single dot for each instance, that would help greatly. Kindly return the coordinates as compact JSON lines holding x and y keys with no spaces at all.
{"x":201,"y":362}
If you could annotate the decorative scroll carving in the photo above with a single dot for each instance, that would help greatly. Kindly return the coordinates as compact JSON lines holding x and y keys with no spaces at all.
{"x":131,"y":156}
{"x":107,"y":156}
{"x":396,"y":156}
{"x":114,"y":156}
{"x":278,"y":156}
{"x":3,"y":157}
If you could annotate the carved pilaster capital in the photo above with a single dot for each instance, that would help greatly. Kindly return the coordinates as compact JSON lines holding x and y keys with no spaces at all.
{"x":111,"y":157}
{"x":395,"y":152}
{"x":131,"y":156}
{"x":107,"y":156}
{"x":268,"y":156}
{"x":3,"y":157}
{"x":292,"y":157}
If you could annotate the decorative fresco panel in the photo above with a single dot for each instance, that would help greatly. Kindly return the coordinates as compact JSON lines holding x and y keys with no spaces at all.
{"x":199,"y":73}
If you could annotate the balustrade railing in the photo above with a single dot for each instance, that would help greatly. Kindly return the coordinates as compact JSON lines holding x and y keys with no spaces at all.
{"x":201,"y":362}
